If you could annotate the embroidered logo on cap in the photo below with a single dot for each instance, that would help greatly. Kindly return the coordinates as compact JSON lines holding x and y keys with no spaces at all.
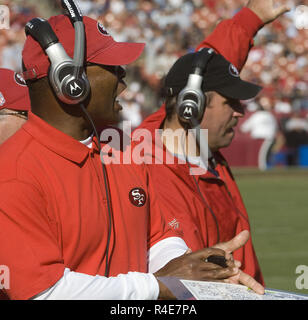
{"x":233,"y":71}
{"x":19,"y":79}
{"x":2,"y":100}
{"x":102,"y":29}
{"x":137,"y":197}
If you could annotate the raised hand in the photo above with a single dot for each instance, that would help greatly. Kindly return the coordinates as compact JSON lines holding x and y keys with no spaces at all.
{"x":267,"y":10}
{"x":240,"y":278}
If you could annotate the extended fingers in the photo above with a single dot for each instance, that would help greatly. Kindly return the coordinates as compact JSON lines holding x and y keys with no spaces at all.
{"x":251,"y":283}
{"x":235,"y":243}
{"x":246,"y":280}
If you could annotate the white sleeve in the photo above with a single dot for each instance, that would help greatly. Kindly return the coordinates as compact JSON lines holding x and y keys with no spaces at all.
{"x":130,"y":286}
{"x":80,"y":286}
{"x":164,"y":251}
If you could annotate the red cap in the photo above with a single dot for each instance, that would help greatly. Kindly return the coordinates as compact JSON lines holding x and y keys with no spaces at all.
{"x":13,"y":91}
{"x":100,"y":47}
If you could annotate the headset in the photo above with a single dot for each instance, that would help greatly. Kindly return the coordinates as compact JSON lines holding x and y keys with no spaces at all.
{"x":67,"y":76}
{"x":190,"y":107}
{"x":191,"y":101}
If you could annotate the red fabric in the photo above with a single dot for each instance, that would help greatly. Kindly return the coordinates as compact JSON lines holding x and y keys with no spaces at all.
{"x":13,"y":91}
{"x":220,"y":200}
{"x":243,"y":151}
{"x":100,"y":47}
{"x":53,"y":212}
{"x":193,"y":213}
{"x":233,"y":38}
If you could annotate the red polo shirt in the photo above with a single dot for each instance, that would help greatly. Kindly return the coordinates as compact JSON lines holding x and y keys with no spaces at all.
{"x":210,"y":209}
{"x":207,"y":207}
{"x":53,"y":211}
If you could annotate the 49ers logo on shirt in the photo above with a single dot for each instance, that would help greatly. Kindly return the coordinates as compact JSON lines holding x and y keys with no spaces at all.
{"x":137,"y":197}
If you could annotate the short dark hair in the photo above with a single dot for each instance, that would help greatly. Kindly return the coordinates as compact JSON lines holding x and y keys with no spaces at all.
{"x":36,"y":89}
{"x":170,"y":107}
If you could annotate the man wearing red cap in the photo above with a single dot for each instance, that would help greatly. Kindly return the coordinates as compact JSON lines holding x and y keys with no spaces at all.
{"x":14,"y":103}
{"x":70,"y":230}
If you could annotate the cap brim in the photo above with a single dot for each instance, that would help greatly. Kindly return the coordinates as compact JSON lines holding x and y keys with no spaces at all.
{"x":241,"y":90}
{"x":120,"y":53}
{"x":21,"y":103}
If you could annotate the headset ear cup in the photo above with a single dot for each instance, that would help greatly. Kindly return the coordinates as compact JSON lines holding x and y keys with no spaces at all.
{"x":187,"y":107}
{"x":191,"y":100}
{"x":73,"y":88}
{"x":69,"y":89}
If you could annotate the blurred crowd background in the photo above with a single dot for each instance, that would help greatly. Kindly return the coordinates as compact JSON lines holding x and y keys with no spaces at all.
{"x":171,"y":28}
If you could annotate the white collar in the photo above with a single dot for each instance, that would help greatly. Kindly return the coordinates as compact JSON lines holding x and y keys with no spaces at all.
{"x":88,"y":141}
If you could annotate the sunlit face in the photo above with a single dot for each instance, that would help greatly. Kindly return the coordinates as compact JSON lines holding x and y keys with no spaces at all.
{"x":106,"y":84}
{"x":220,"y":117}
{"x":10,"y":122}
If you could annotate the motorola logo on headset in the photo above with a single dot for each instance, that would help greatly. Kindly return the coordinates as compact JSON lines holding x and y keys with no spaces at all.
{"x":66,"y":75}
{"x":187,"y":113}
{"x":74,"y":87}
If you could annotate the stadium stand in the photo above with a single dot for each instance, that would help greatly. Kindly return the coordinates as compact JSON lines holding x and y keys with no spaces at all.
{"x":171,"y":28}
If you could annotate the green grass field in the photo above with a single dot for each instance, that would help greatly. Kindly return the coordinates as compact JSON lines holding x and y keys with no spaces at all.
{"x":277,"y":204}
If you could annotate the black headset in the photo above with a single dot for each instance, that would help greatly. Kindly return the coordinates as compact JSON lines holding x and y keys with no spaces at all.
{"x":67,"y":76}
{"x":191,"y":101}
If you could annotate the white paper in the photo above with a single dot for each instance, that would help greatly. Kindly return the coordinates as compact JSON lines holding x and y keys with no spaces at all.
{"x":203,"y":290}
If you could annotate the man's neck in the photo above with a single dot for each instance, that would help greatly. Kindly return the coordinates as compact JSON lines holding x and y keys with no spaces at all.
{"x":75,"y":126}
{"x":179,"y":141}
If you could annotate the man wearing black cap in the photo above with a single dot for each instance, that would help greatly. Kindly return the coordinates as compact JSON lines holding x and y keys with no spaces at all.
{"x":223,"y":87}
{"x":208,"y":205}
{"x":216,"y":211}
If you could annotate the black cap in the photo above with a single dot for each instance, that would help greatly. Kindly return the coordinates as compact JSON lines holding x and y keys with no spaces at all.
{"x":220,"y":76}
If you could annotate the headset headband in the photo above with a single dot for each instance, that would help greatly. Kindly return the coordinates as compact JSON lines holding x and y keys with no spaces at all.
{"x":77,"y":20}
{"x":66,"y":75}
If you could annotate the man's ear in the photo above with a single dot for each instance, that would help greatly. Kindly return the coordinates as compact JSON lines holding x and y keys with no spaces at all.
{"x":209,"y":97}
